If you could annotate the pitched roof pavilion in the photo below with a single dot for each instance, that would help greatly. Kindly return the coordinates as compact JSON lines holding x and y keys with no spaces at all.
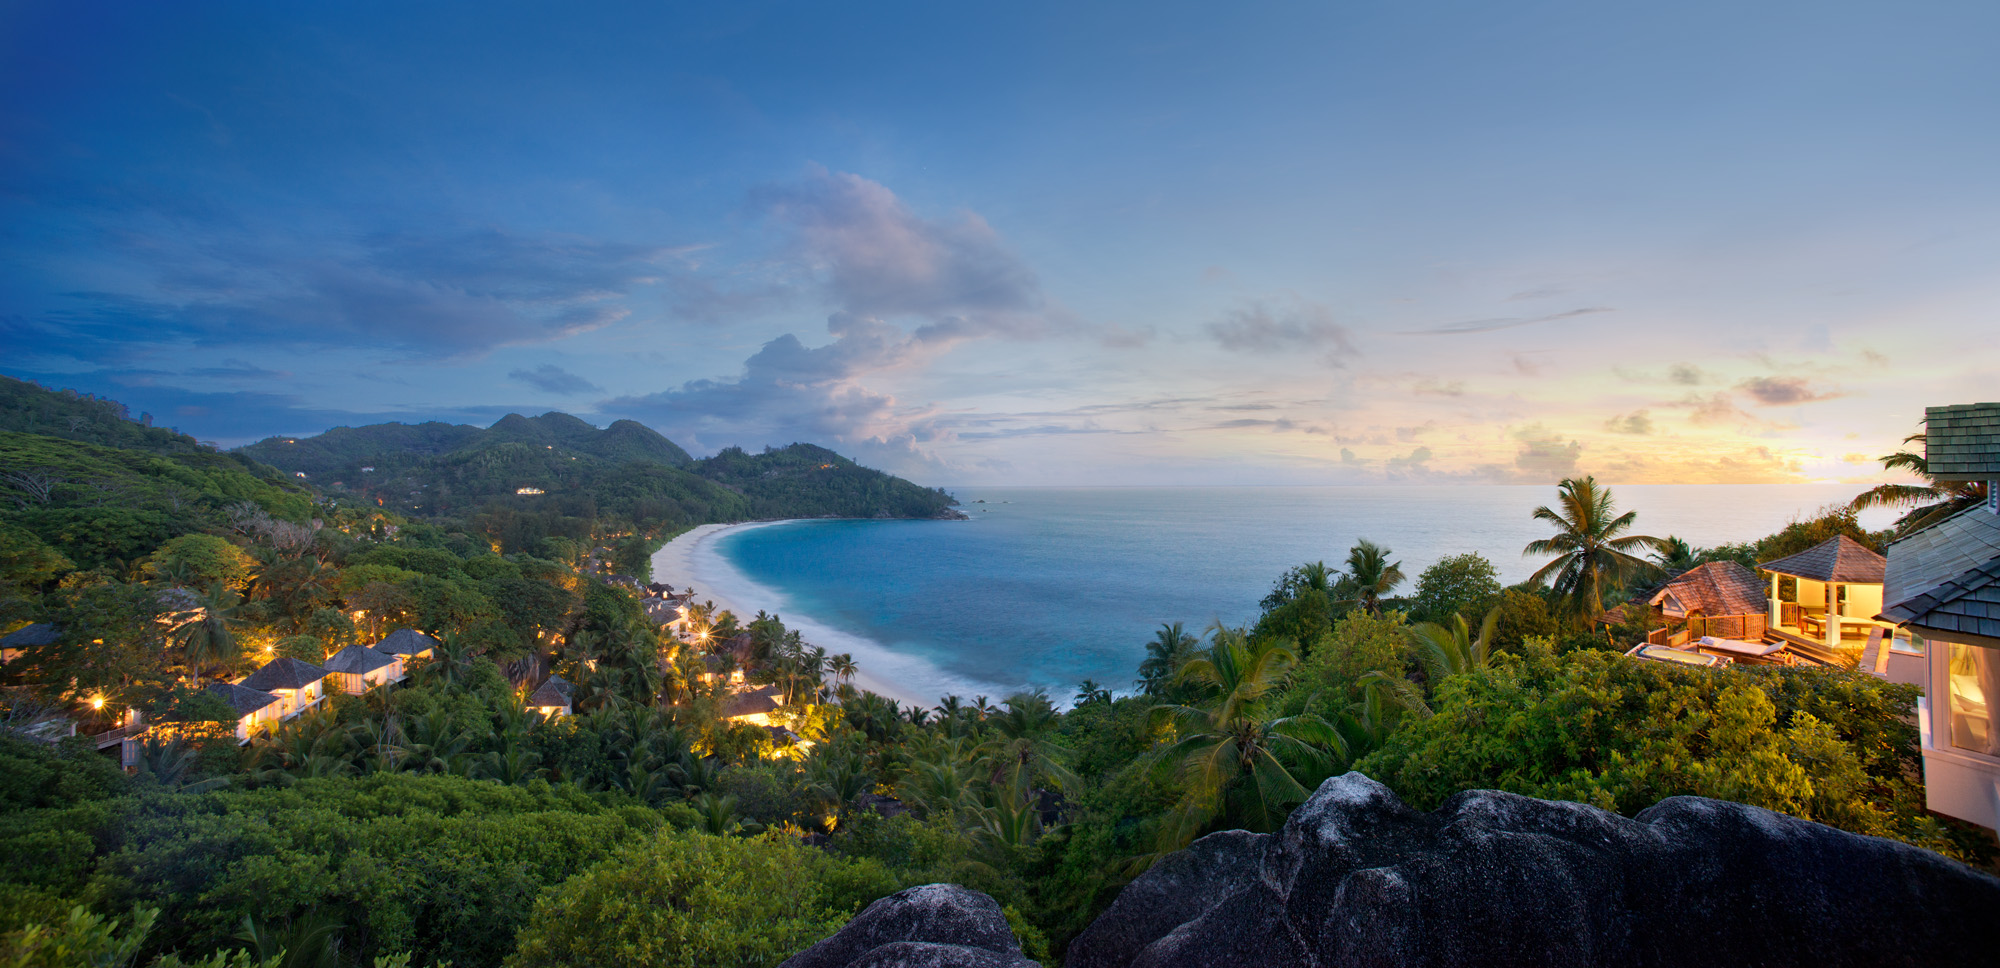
{"x":1838,"y":559}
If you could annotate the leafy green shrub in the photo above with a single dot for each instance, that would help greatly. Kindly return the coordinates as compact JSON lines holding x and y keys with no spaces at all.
{"x":690,"y":900}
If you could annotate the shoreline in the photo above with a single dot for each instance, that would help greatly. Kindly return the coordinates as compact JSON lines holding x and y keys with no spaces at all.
{"x":693,"y":560}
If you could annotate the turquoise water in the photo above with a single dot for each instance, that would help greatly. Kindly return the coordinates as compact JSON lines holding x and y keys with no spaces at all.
{"x":1045,"y":587}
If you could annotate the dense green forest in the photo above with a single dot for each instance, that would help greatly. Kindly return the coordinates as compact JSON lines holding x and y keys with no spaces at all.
{"x":568,"y":468}
{"x":446,"y":821}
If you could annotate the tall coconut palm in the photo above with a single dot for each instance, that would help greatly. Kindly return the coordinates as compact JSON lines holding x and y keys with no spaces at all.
{"x":210,"y":637}
{"x":1371,"y":576}
{"x":1928,"y":503}
{"x":1592,"y":552}
{"x":1234,"y":755}
{"x":842,"y":666}
{"x":1675,"y":555}
{"x":1170,"y":649}
{"x":1023,"y":751}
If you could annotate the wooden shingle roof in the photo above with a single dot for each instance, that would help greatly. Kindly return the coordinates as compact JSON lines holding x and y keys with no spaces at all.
{"x":284,"y":672}
{"x":1837,"y":559}
{"x":1947,"y":576}
{"x":1962,"y":442}
{"x":358,"y":660}
{"x":1716,"y":589}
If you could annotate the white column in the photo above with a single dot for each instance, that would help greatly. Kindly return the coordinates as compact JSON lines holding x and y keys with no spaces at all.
{"x":1777,"y":608}
{"x":1832,"y":629}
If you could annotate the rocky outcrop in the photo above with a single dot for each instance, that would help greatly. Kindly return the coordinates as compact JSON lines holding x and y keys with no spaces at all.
{"x":933,"y":926}
{"x":1357,"y":877}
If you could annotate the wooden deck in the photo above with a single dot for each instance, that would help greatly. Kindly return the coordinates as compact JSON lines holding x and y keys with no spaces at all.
{"x":1807,"y":649}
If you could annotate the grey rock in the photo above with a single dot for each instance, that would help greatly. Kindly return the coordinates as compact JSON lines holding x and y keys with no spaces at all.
{"x":1357,"y":877}
{"x":933,"y":926}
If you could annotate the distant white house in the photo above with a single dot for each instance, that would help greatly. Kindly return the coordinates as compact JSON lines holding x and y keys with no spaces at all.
{"x":255,"y":709}
{"x":406,"y":644}
{"x":298,"y":685}
{"x":358,"y":668}
{"x":552,"y":697}
{"x":528,"y":490}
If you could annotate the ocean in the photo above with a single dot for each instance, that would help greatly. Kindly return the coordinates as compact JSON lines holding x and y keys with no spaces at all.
{"x":1046,"y":587}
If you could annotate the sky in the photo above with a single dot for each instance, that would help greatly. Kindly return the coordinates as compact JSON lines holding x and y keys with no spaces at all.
{"x":1026,"y":243}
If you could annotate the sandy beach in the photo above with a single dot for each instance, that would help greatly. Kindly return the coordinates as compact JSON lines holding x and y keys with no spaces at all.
{"x":693,"y":560}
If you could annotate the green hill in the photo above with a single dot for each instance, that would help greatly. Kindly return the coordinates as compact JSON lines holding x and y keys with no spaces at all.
{"x":557,"y":463}
{"x":110,"y":505}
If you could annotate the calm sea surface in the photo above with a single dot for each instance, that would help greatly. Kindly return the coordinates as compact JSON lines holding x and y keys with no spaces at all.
{"x":1045,"y":587}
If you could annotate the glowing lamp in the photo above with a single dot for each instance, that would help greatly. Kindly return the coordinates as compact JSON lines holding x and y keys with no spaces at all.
{"x":97,"y":702}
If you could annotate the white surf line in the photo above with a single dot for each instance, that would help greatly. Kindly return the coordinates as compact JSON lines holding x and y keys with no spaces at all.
{"x":695,"y":559}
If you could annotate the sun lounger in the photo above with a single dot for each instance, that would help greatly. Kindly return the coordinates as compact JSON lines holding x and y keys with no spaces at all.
{"x":1661,"y":653}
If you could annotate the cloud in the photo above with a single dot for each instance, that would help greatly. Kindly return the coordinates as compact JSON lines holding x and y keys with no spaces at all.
{"x":1539,"y":292}
{"x":884,"y":267}
{"x":1505,"y":322}
{"x":1544,"y":457}
{"x":874,"y":257}
{"x":1409,"y":434}
{"x":554,"y":379}
{"x":1685,"y":374}
{"x":1414,"y":460}
{"x":433,"y":295}
{"x":1347,"y":457}
{"x":1638,"y":422}
{"x":1295,"y":328}
{"x":1713,"y":409}
{"x":1782,"y":391}
{"x":1431,"y":386}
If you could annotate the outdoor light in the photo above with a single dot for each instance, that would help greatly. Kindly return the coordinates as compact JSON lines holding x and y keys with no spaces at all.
{"x":97,"y":702}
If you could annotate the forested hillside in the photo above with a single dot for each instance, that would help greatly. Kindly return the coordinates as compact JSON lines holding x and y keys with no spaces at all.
{"x":557,"y":464}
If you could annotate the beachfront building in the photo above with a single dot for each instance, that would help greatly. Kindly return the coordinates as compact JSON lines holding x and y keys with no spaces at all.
{"x":298,"y":685}
{"x":358,"y":668}
{"x":1832,"y":597}
{"x":552,"y":697}
{"x":255,"y":709}
{"x":1944,"y":584}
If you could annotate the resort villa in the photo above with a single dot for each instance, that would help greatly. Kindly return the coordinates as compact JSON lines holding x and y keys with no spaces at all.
{"x":406,"y":644}
{"x":255,"y":709}
{"x":358,"y":668}
{"x":552,"y":697}
{"x":1827,"y":597}
{"x":297,"y":684}
{"x":1943,"y":583}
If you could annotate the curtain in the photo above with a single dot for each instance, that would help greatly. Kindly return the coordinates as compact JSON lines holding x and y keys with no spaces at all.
{"x":1987,"y":663}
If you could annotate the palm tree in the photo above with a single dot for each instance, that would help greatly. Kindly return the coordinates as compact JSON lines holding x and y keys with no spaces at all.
{"x":842,"y":666}
{"x":1928,"y":503}
{"x":172,"y":765}
{"x":1088,"y":691}
{"x":1449,"y":650}
{"x":1591,"y":551}
{"x":1370,"y":577}
{"x":1025,"y":750}
{"x":211,"y":636}
{"x":839,"y":779}
{"x":1675,"y":555}
{"x":1170,"y":649}
{"x":1233,"y":754}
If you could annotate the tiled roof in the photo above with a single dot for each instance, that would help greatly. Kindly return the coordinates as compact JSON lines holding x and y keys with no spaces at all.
{"x":1962,"y":442}
{"x":1947,"y":576}
{"x":554,"y":691}
{"x":406,"y":642}
{"x":1717,"y":588}
{"x":1839,"y":558}
{"x":40,"y":633}
{"x":284,"y":672}
{"x":243,"y":699}
{"x":358,"y":660}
